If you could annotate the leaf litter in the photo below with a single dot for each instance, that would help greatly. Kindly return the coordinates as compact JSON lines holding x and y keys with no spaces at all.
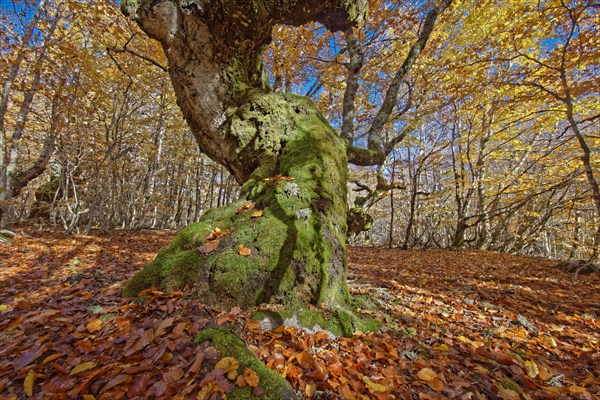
{"x":458,"y":325}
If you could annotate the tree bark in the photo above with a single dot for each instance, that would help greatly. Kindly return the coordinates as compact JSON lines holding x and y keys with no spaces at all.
{"x":291,"y":163}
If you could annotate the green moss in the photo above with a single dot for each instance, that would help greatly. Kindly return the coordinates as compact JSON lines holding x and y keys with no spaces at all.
{"x":511,"y":385}
{"x":364,"y":302}
{"x":339,"y":322}
{"x":298,"y":244}
{"x":229,"y":345}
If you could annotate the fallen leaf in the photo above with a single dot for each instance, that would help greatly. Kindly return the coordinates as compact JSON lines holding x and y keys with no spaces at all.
{"x":229,"y":365}
{"x":257,"y":214}
{"x":251,"y":377}
{"x":52,"y":358}
{"x":82,"y":367}
{"x":373,"y":386}
{"x":426,"y":374}
{"x":507,"y":394}
{"x":245,"y":207}
{"x":209,"y":246}
{"x":436,"y":384}
{"x":531,"y":368}
{"x":94,"y":325}
{"x":116,"y":381}
{"x":306,"y":360}
{"x":164,"y":324}
{"x":243,"y":250}
{"x":580,"y":393}
{"x":310,"y":389}
{"x":28,"y":383}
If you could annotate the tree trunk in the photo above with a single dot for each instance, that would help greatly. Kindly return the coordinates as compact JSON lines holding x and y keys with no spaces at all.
{"x":297,"y":246}
{"x":284,"y":242}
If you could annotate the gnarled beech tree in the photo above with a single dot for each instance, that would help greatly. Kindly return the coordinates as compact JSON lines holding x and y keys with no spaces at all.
{"x":290,"y":162}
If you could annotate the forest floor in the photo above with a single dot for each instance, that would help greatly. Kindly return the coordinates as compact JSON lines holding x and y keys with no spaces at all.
{"x":459,"y":324}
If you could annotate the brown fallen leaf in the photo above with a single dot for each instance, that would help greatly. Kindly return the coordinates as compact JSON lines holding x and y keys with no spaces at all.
{"x":116,"y":381}
{"x":209,"y":246}
{"x":310,"y":389}
{"x":436,"y":384}
{"x":143,"y":341}
{"x":164,"y":324}
{"x":507,"y":394}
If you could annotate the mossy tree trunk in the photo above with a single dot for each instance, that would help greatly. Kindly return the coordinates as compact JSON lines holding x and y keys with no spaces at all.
{"x":291,"y":163}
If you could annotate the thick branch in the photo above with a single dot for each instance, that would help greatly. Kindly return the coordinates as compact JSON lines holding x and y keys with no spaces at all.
{"x":376,"y":136}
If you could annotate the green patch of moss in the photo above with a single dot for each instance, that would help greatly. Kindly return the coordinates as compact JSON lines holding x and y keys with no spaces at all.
{"x":106,"y":317}
{"x":364,"y":302}
{"x":229,"y":345}
{"x":298,"y":245}
{"x":511,"y":385}
{"x":339,"y":322}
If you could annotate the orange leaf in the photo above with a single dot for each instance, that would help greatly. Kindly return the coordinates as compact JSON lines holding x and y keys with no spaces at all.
{"x":531,"y":368}
{"x":52,"y":358}
{"x":245,"y":207}
{"x":229,"y":365}
{"x":426,"y":374}
{"x":305,"y":360}
{"x":310,"y":389}
{"x":580,"y":393}
{"x":257,"y":214}
{"x":373,"y":386}
{"x":436,"y":384}
{"x":251,"y":377}
{"x":243,"y":250}
{"x":94,"y":325}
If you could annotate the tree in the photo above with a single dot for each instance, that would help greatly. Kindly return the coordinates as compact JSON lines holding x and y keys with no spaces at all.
{"x":12,"y":181}
{"x":291,"y":163}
